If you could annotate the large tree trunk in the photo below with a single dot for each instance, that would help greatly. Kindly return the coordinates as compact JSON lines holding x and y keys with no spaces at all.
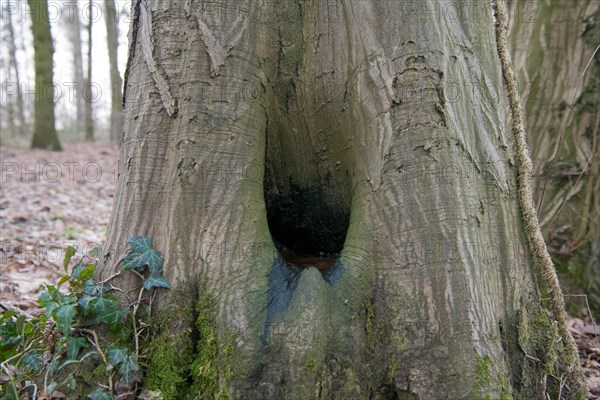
{"x":375,"y":130}
{"x":116,"y":94}
{"x":44,"y":131}
{"x":553,"y":42}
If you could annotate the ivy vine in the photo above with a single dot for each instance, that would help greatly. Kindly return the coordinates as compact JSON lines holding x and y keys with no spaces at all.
{"x":85,"y":320}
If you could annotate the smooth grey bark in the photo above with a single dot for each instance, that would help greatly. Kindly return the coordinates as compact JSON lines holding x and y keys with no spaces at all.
{"x":89,"y":117}
{"x":382,"y":124}
{"x":7,"y":113}
{"x":74,"y":34}
{"x":552,"y":43}
{"x":116,"y":94}
{"x":17,"y":103}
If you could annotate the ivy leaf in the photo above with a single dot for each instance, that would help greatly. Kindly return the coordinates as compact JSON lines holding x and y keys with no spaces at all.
{"x":7,"y":315}
{"x":64,"y":317}
{"x":20,"y":324}
{"x":153,"y":260}
{"x":50,"y":307}
{"x":70,"y":298}
{"x":129,"y":368}
{"x":33,"y":360}
{"x":141,"y":254}
{"x":84,"y":303}
{"x":68,"y":255}
{"x":116,"y":355}
{"x":55,"y":295}
{"x":9,"y":347}
{"x":88,"y":272}
{"x":44,"y":298}
{"x":74,"y":345}
{"x":63,"y":280}
{"x":77,"y":268}
{"x":100,"y":305}
{"x":99,"y":394}
{"x":83,"y":271}
{"x":131,"y":261}
{"x":10,"y":334}
{"x":50,"y":295}
{"x":111,"y":315}
{"x":156,"y":280}
{"x":140,"y":244}
{"x":94,"y":288}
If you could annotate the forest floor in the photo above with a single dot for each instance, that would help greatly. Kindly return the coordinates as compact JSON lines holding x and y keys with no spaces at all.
{"x":49,"y":201}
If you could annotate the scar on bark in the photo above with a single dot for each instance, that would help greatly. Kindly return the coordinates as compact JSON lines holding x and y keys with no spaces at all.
{"x":218,"y":49}
{"x":156,"y":71}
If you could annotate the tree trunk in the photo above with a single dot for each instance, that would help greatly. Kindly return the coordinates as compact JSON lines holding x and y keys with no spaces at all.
{"x":552,"y":43}
{"x":116,"y":95}
{"x":367,"y":139}
{"x":89,"y":117}
{"x":75,"y":39}
{"x":44,"y":131}
{"x":13,"y":65}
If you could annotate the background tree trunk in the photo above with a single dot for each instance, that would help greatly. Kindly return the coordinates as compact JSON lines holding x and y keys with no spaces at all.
{"x":367,"y":132}
{"x":89,"y":117}
{"x":44,"y":131}
{"x":552,"y":44}
{"x":116,"y":94}
{"x":74,"y":28}
{"x":16,"y":103}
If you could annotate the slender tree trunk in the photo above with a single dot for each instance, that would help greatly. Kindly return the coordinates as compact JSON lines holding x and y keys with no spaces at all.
{"x":366,"y":138}
{"x":75,"y":39}
{"x":44,"y":131}
{"x":14,"y":67}
{"x":116,"y":99}
{"x":7,"y":115}
{"x":89,"y":118}
{"x":553,"y":43}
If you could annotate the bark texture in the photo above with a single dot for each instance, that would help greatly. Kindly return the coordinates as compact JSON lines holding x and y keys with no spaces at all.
{"x":44,"y":131}
{"x":366,"y":131}
{"x":553,"y":46}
